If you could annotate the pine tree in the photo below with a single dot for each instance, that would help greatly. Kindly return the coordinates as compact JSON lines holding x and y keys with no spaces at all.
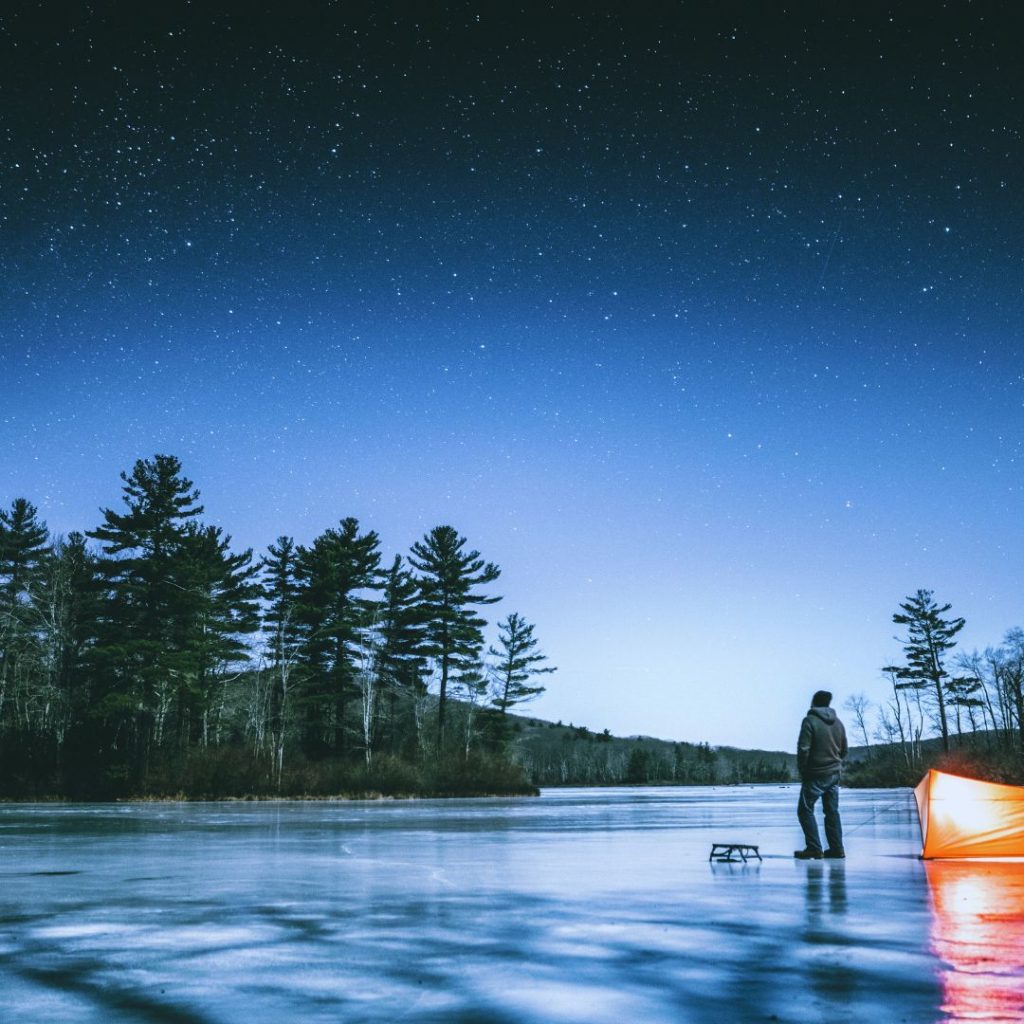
{"x":281,"y":590}
{"x":447,"y":576}
{"x":77,"y":569}
{"x":964,"y":694}
{"x":219,"y":613}
{"x":66,"y":608}
{"x":400,"y":632}
{"x":929,"y":637}
{"x":24,"y":549}
{"x":334,"y":574}
{"x":518,"y":662}
{"x":139,"y":644}
{"x":24,"y":543}
{"x":281,"y":624}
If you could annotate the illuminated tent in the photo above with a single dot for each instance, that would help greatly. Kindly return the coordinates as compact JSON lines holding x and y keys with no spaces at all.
{"x":969,"y":818}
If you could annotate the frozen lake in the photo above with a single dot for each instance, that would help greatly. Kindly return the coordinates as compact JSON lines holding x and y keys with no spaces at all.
{"x":584,"y":906}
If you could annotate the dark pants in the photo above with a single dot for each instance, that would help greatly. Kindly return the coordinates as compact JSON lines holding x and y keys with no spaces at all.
{"x":826,"y":787}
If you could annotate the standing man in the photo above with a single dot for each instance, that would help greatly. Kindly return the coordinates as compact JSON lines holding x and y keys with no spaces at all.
{"x":820,"y":751}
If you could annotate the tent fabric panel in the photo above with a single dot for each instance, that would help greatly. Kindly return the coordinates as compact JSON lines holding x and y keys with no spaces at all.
{"x":970,"y":818}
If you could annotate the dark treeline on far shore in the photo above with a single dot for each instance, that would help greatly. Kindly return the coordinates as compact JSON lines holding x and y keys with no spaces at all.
{"x":144,"y":657}
{"x":572,"y":755}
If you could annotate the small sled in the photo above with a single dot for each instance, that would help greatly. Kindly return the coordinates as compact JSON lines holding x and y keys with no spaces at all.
{"x":723,"y":852}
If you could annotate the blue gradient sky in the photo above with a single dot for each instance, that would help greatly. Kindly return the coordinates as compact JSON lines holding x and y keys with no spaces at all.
{"x":705,"y":327}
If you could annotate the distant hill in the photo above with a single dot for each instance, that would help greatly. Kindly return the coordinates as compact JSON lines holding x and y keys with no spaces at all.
{"x":554,"y":754}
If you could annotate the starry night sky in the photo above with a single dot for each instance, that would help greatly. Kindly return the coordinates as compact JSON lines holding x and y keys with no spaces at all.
{"x":702,"y":320}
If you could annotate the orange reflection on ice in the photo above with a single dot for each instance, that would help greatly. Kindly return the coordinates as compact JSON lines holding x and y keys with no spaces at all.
{"x":978,"y":934}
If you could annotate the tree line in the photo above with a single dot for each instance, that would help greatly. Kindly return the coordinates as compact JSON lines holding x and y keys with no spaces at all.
{"x":145,"y":655}
{"x":573,"y":755}
{"x":948,"y":708}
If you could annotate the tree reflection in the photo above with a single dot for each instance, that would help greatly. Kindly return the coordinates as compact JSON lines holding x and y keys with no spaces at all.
{"x":978,"y":933}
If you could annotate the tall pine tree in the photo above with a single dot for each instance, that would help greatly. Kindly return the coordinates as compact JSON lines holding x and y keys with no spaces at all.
{"x":334,"y":575}
{"x":447,"y":577}
{"x":24,"y":549}
{"x":930,"y":635}
{"x":282,"y":631}
{"x":517,"y":662}
{"x":220,"y":613}
{"x":72,"y":594}
{"x":146,"y":601}
{"x":400,"y":658}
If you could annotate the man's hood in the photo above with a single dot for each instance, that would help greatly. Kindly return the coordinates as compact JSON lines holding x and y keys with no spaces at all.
{"x":827,"y":715}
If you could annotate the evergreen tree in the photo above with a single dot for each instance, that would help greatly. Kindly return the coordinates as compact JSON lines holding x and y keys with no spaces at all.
{"x":138,"y":650}
{"x":447,"y":576}
{"x":281,"y":623}
{"x":66,"y":613}
{"x":964,"y":694}
{"x":77,"y":568}
{"x":334,"y":573}
{"x":518,"y":662}
{"x":929,"y":637}
{"x":281,"y":590}
{"x":24,"y":549}
{"x":639,"y":766}
{"x":400,"y":633}
{"x":24,"y":544}
{"x":219,"y":613}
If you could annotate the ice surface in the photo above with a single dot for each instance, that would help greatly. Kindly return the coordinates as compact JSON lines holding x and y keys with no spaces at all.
{"x":585,"y":906}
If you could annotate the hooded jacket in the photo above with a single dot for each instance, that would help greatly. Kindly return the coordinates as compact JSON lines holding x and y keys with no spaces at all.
{"x":822,"y":746}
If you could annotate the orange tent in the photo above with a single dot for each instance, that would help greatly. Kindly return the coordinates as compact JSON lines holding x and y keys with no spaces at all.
{"x":969,"y":818}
